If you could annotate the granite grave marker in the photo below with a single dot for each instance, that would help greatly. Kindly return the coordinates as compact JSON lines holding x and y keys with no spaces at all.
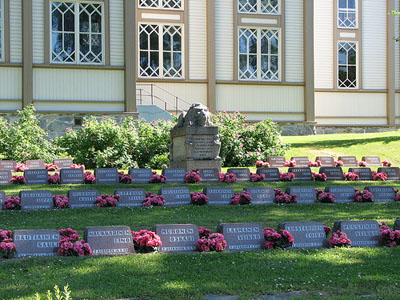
{"x":343,"y":194}
{"x":271,"y":174}
{"x":36,"y":176}
{"x":219,"y":195}
{"x":72,"y":176}
{"x":372,"y":160}
{"x":397,"y":224}
{"x":37,"y":242}
{"x":332,"y":173}
{"x":106,"y":175}
{"x":348,"y":161}
{"x":177,"y":237}
{"x":140,"y":175}
{"x":174,"y":175}
{"x":82,"y":198}
{"x":361,"y":233}
{"x":36,"y":200}
{"x":326,"y":161}
{"x":5,"y":176}
{"x":363,"y":173}
{"x":306,"y":234}
{"x":209,"y":175}
{"x":301,"y":174}
{"x":305,"y":194}
{"x":35,"y":164}
{"x":242,"y":236}
{"x":382,"y":193}
{"x":261,"y":195}
{"x":2,"y":199}
{"x":63,"y":162}
{"x":130,"y":197}
{"x":301,"y":161}
{"x":8,"y":165}
{"x":276,"y":161}
{"x":176,"y":196}
{"x":242,"y":174}
{"x":393,"y":173}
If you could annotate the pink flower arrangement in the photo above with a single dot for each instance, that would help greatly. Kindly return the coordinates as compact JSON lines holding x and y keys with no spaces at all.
{"x":153,"y":200}
{"x":146,"y":241}
{"x":351,"y":176}
{"x":386,"y":163}
{"x":319,"y":177}
{"x":214,"y":242}
{"x":326,"y":197}
{"x":61,"y":201}
{"x":156,"y":178}
{"x":362,"y":163}
{"x":339,"y":163}
{"x":290,"y":163}
{"x":199,"y":198}
{"x":256,"y":177}
{"x":7,"y":247}
{"x":262,"y":164}
{"x":339,"y":239}
{"x":192,"y":177}
{"x":124,"y":178}
{"x":389,"y":237}
{"x":315,"y":164}
{"x":365,"y":196}
{"x":327,"y":230}
{"x":106,"y":200}
{"x":51,"y":167}
{"x":273,"y":240}
{"x":89,"y":178}
{"x":76,"y":166}
{"x":54,"y":179}
{"x":283,"y":198}
{"x":289,"y":176}
{"x":164,"y":166}
{"x":243,"y":198}
{"x":20,"y":167}
{"x":12,"y":203}
{"x":15,"y":179}
{"x":397,"y":197}
{"x":70,"y":244}
{"x":227,"y":177}
{"x":380,"y":176}
{"x":204,"y":232}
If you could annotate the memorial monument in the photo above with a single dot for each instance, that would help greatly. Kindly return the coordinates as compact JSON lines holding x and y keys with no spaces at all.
{"x":195,"y":141}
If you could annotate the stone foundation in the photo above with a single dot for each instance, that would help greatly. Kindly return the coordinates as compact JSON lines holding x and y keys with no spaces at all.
{"x":297,"y":128}
{"x":326,"y":129}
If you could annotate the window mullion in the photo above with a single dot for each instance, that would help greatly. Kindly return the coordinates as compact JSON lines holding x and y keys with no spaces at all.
{"x":160,"y":51}
{"x":77,"y":32}
{"x":258,"y":53}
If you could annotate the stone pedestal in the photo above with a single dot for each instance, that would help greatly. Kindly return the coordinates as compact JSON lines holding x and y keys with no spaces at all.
{"x":195,"y":148}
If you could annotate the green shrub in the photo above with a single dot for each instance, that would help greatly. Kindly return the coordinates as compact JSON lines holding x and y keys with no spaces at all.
{"x":24,"y":139}
{"x":58,"y":295}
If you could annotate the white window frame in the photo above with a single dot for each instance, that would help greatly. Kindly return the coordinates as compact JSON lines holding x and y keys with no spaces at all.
{"x":161,"y":51}
{"x":357,"y":65}
{"x":258,"y":9}
{"x":77,"y":32}
{"x":259,"y":29}
{"x":339,"y":10}
{"x":2,"y":55}
{"x":160,"y":6}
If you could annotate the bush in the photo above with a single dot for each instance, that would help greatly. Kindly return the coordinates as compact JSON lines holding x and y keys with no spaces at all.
{"x":24,"y":139}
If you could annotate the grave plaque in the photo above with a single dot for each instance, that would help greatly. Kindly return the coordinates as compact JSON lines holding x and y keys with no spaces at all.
{"x":209,"y":175}
{"x":72,"y":176}
{"x":332,"y":173}
{"x":106,"y":175}
{"x":7,"y":165}
{"x":110,"y":240}
{"x":130,"y":197}
{"x":140,"y":175}
{"x":372,"y":160}
{"x":176,"y":196}
{"x":37,"y":242}
{"x":2,"y":198}
{"x":82,"y":198}
{"x":276,"y":161}
{"x":36,"y":200}
{"x":348,"y":161}
{"x":361,"y":233}
{"x":177,"y":238}
{"x":242,"y":236}
{"x":305,"y":194}
{"x":271,"y":174}
{"x":174,"y":175}
{"x":382,"y":193}
{"x":242,"y":174}
{"x":35,"y":164}
{"x":343,"y":194}
{"x":397,"y":224}
{"x":37,"y":176}
{"x":363,"y":173}
{"x":301,"y":161}
{"x":63,"y":162}
{"x":306,"y":234}
{"x":261,"y":195}
{"x":219,"y":195}
{"x":5,"y":176}
{"x":301,"y":174}
{"x":393,"y":173}
{"x":326,"y":161}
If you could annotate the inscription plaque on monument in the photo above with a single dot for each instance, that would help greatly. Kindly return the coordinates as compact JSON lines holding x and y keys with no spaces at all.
{"x":306,"y":234}
{"x":301,"y":161}
{"x":305,"y":194}
{"x":242,"y":236}
{"x":110,"y":240}
{"x":2,"y":198}
{"x":35,"y":164}
{"x":343,"y":194}
{"x":397,"y":224}
{"x":140,"y":175}
{"x":301,"y":174}
{"x":37,"y":242}
{"x":63,"y":162}
{"x":372,"y":160}
{"x":219,"y":195}
{"x":209,"y":175}
{"x":174,"y":175}
{"x":130,"y":197}
{"x":363,"y":173}
{"x":332,"y":173}
{"x":106,"y":175}
{"x":177,"y":237}
{"x":5,"y":176}
{"x":242,"y":174}
{"x":326,"y":161}
{"x":176,"y":196}
{"x":348,"y":161}
{"x":82,"y":198}
{"x":36,"y":176}
{"x":271,"y":174}
{"x":72,"y":176}
{"x":261,"y":195}
{"x":393,"y":173}
{"x":36,"y":200}
{"x":7,"y":165}
{"x":361,"y":233}
{"x":382,"y":193}
{"x":276,"y":161}
{"x":202,"y":146}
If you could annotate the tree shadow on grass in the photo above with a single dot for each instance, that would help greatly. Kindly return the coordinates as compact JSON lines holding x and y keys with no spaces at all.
{"x":346,"y":143}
